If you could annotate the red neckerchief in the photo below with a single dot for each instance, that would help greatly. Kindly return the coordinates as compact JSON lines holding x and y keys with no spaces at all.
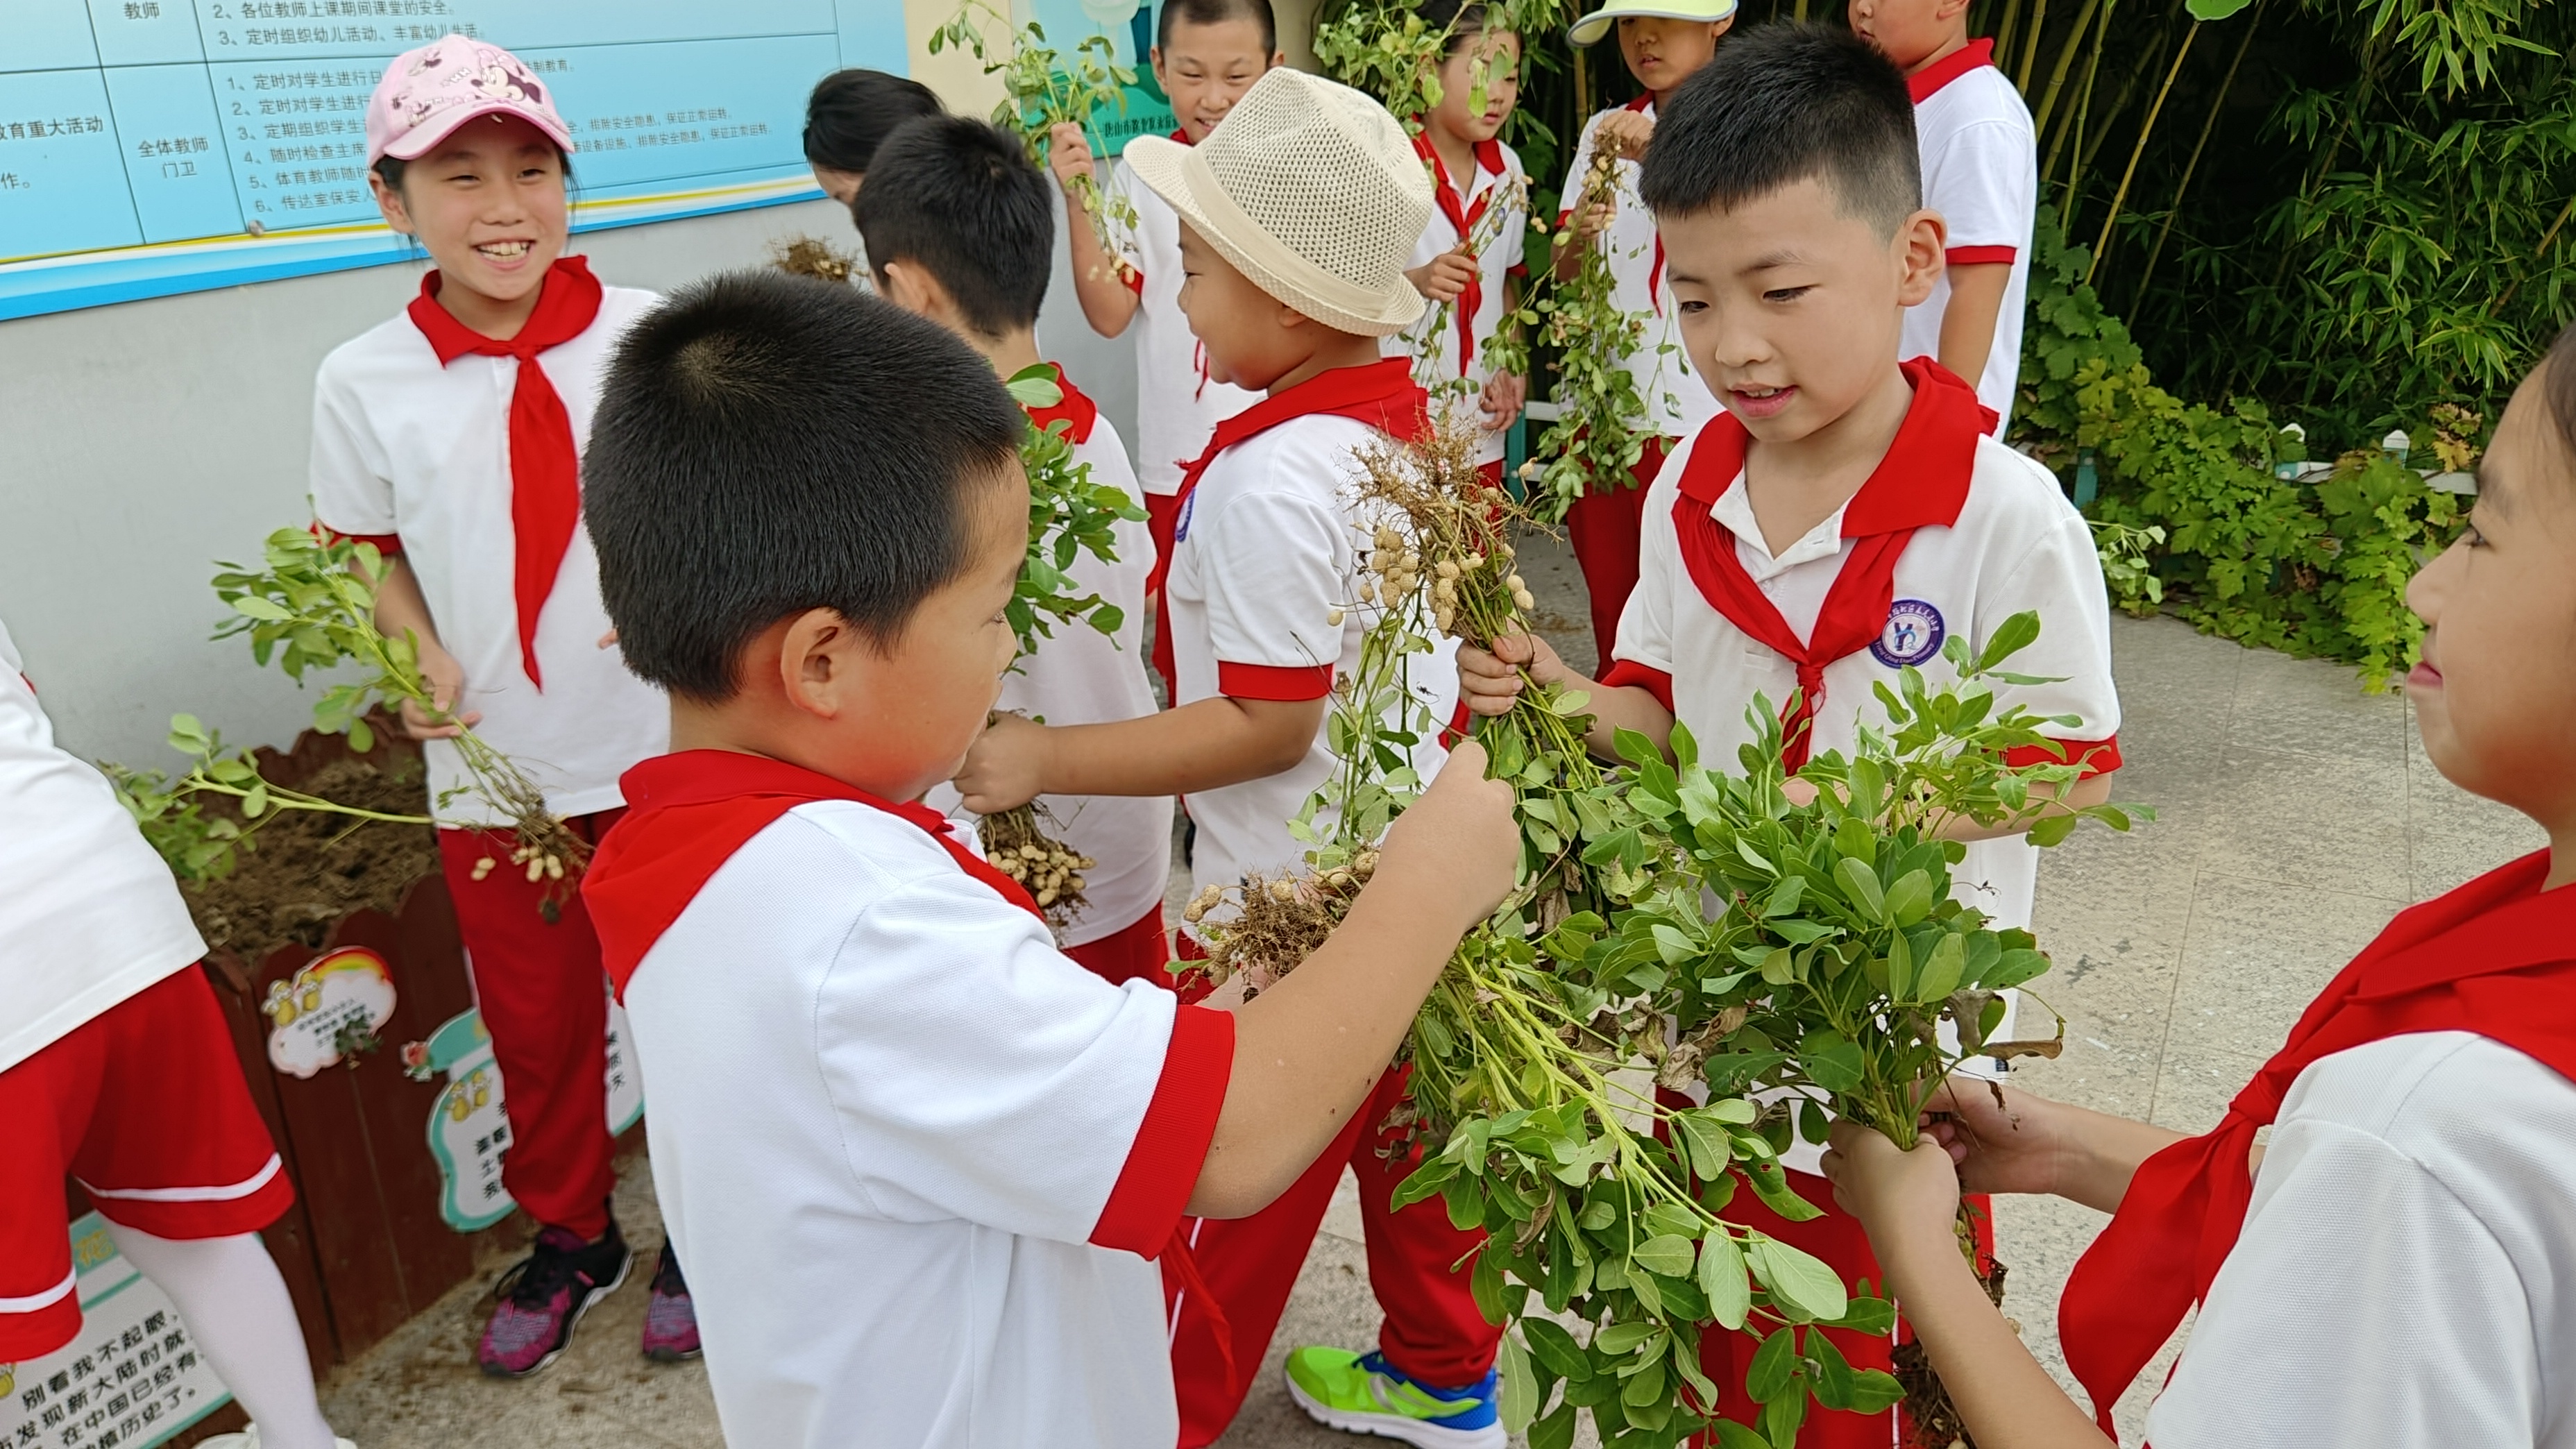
{"x":1381,"y":394}
{"x":686,"y":815}
{"x":545,"y":469}
{"x":1957,"y":63}
{"x":1075,"y":410}
{"x":2496,"y":957}
{"x":1463,"y":217}
{"x":1654,"y":274}
{"x":1922,"y":482}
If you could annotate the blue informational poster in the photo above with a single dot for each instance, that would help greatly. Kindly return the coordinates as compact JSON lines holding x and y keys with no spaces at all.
{"x":1129,"y":24}
{"x":156,"y":146}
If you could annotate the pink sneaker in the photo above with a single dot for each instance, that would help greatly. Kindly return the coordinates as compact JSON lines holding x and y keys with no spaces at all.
{"x":670,"y":1321}
{"x":543,"y":1298}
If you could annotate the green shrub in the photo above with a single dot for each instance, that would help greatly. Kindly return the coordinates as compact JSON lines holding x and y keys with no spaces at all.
{"x":2310,"y":567}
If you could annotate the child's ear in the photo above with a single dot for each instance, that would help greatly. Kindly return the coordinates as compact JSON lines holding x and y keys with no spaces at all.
{"x":390,"y":202}
{"x":812,"y":659}
{"x":909,"y":285}
{"x":1919,"y":246}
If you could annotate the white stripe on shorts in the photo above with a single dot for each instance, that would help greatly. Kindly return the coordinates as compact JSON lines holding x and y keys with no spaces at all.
{"x":244,"y":1188}
{"x":46,"y":1299}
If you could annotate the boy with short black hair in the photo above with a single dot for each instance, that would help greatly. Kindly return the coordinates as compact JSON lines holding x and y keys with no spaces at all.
{"x":1207,"y":53}
{"x":1297,"y":216}
{"x":920,"y":1159}
{"x":1847,"y":512}
{"x":959,"y":225}
{"x":1981,"y":172}
{"x":1663,"y":42}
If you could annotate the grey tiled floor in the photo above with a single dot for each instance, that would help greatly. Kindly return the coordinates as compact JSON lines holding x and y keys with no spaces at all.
{"x":2296,"y":814}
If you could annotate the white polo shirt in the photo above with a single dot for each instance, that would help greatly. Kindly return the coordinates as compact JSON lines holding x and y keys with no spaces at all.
{"x":1082,"y":676}
{"x":911,"y":1152}
{"x":403,"y":446}
{"x":2016,"y":545}
{"x":1177,"y":405}
{"x":1981,"y":172}
{"x":90,"y":915}
{"x":1677,"y":401}
{"x":1494,"y":206}
{"x":1268,"y":545}
{"x":2406,"y":1275}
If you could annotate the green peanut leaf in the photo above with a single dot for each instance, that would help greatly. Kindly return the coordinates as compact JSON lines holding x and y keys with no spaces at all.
{"x":1799,"y":1278}
{"x":1665,"y":1253}
{"x":1861,"y":884}
{"x":1722,"y":1278}
{"x":1621,"y":1339}
{"x":1555,"y":1348}
{"x":1774,"y":1363}
{"x":1520,"y":1386}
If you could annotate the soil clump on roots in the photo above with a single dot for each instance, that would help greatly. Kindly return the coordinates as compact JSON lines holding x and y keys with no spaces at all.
{"x":1931,"y":1421}
{"x":304,"y":869}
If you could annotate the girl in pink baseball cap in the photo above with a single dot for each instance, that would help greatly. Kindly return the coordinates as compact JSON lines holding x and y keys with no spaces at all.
{"x":450,"y":436}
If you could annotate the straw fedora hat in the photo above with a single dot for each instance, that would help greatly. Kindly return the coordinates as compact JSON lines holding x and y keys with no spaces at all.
{"x":1311,"y":190}
{"x":1592,"y":27}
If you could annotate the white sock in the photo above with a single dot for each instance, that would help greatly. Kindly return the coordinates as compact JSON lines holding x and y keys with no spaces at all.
{"x":244,"y":1323}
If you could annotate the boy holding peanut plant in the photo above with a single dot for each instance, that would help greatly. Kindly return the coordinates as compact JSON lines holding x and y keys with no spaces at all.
{"x":1259,"y":604}
{"x":2394,"y":1268}
{"x":1847,"y":515}
{"x":920,"y":1161}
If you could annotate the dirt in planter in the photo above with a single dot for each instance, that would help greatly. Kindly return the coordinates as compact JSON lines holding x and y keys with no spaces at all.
{"x":1932,"y":1420}
{"x":309,"y":868}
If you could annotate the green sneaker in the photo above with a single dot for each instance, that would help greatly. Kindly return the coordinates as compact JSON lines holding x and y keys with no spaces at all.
{"x":1364,"y":1394}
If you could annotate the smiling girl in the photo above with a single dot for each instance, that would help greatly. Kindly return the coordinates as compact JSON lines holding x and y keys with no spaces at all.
{"x":450,"y":436}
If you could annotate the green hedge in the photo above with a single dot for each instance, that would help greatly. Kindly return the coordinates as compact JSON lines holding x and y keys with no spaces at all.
{"x":2312,"y":568}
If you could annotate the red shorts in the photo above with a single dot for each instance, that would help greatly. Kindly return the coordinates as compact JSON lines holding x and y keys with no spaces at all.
{"x":145,"y":1106}
{"x":1138,"y":950}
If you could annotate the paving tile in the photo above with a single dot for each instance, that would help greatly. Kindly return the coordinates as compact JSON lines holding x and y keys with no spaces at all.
{"x":2314,"y":707}
{"x":2305,"y":820}
{"x":2257,"y":953}
{"x":2094,"y":1074}
{"x":2193,"y":1090}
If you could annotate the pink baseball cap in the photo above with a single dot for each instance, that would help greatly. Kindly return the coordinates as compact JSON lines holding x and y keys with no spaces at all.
{"x":427,"y":93}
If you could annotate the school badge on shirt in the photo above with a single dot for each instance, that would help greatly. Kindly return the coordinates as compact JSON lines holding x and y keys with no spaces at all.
{"x":1912,"y":634}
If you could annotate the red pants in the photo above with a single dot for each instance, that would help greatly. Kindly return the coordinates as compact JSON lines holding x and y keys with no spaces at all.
{"x":145,"y":1104}
{"x":1140,"y":950}
{"x":1432,"y":1328}
{"x":1603,"y":526}
{"x":1837,"y":1239}
{"x":544,"y":998}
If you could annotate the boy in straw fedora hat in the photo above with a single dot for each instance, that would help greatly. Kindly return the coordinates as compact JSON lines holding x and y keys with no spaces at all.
{"x":1298,"y":213}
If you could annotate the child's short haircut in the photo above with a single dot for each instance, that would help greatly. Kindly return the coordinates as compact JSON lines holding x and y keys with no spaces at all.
{"x":1779,"y":104}
{"x":1218,"y":12}
{"x":961,"y":199}
{"x":853,"y":111}
{"x":766,"y":444}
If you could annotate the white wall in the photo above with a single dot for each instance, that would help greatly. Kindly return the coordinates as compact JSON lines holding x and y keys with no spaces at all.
{"x":141,"y":442}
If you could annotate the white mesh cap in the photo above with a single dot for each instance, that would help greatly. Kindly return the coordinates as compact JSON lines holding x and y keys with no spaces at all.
{"x":1311,"y":190}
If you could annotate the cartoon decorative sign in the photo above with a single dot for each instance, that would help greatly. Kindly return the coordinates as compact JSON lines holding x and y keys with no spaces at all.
{"x":329,"y":1011}
{"x":131,"y":1379}
{"x":469,"y":1130}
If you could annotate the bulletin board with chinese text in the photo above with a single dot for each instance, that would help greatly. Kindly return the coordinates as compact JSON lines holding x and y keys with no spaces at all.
{"x":149,"y":147}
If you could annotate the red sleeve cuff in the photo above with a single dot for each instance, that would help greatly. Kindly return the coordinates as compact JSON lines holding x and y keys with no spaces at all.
{"x":1287,"y":683}
{"x":1135,"y":277}
{"x":388,"y":544}
{"x":1171,"y":1147}
{"x":1460,"y":725}
{"x":1979,"y":256}
{"x":1517,"y":269}
{"x":1625,"y":673}
{"x":2098,"y":757}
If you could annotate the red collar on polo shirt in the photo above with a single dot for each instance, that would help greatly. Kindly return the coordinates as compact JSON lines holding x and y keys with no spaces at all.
{"x":1381,"y":394}
{"x":1463,"y":217}
{"x":1075,"y":410}
{"x":545,"y":468}
{"x":2496,"y":957}
{"x":686,"y":815}
{"x":1948,"y":68}
{"x":1922,"y":482}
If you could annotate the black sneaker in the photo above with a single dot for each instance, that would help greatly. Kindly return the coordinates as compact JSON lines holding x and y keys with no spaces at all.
{"x":543,"y":1297}
{"x":670,"y":1321}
